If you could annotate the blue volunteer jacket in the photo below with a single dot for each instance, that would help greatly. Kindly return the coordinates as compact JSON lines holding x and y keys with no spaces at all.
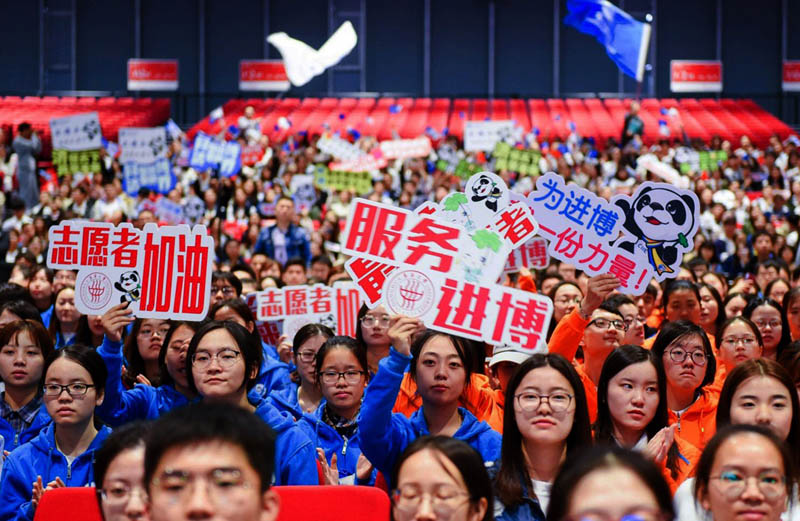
{"x":143,"y":402}
{"x":385,"y":435}
{"x":528,"y":510}
{"x":295,"y":457}
{"x":13,"y":439}
{"x":40,"y":457}
{"x":325,"y":437}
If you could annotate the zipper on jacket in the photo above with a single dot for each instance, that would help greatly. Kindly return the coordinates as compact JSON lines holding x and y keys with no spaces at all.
{"x":69,"y":470}
{"x":344,"y":447}
{"x":16,"y":439}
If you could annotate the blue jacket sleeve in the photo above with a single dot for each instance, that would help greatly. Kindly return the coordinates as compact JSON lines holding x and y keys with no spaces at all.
{"x":384,"y":435}
{"x":15,"y":493}
{"x":302,"y":468}
{"x":119,"y":405}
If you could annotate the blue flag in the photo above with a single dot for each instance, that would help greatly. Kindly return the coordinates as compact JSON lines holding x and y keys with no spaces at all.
{"x":625,"y":39}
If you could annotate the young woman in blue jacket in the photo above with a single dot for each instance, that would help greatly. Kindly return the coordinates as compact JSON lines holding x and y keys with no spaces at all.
{"x":273,"y":375}
{"x":303,"y":394}
{"x":144,"y":402}
{"x":342,"y":374}
{"x":441,"y":367}
{"x":24,"y":346}
{"x":62,"y":454}
{"x":222,"y":365}
{"x":65,"y":319}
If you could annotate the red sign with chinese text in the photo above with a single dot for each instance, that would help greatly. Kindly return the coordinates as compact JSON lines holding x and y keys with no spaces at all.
{"x":263,"y":75}
{"x":152,"y":74}
{"x":695,"y":76}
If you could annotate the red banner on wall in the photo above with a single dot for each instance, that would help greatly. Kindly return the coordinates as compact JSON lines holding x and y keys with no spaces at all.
{"x":695,"y":76}
{"x":152,"y":74}
{"x":791,"y":76}
{"x":262,"y":75}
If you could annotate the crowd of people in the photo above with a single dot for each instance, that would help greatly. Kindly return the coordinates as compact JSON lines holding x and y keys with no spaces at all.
{"x":661,"y":406}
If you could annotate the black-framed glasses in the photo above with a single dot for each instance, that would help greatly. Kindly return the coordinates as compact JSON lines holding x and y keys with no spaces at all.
{"x":332,"y":377}
{"x":227,"y":291}
{"x":226,"y":358}
{"x":74,"y":389}
{"x":774,"y":324}
{"x":370,"y":321}
{"x":746,"y":341}
{"x":604,"y":323}
{"x":732,"y":484}
{"x":558,"y":401}
{"x":678,"y":355}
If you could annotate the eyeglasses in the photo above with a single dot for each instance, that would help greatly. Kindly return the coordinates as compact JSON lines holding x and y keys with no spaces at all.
{"x":558,"y":402}
{"x":119,"y":494}
{"x":604,"y":323}
{"x":226,"y":358}
{"x":221,"y":484}
{"x":307,"y":356}
{"x":568,"y":300}
{"x":161,"y":331}
{"x":774,"y":324}
{"x":76,"y":389}
{"x":227,"y":291}
{"x":637,"y":514}
{"x":746,"y":341}
{"x":732,"y":484}
{"x":332,"y":377}
{"x":630,"y":320}
{"x":370,"y":321}
{"x":678,"y":355}
{"x":444,"y":499}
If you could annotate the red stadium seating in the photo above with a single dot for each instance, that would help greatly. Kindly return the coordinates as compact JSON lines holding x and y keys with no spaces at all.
{"x":387,"y":118}
{"x":113,"y":112}
{"x":69,"y":503}
{"x":325,"y":503}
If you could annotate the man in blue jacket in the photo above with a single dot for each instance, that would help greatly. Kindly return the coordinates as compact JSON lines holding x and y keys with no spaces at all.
{"x":284,"y":240}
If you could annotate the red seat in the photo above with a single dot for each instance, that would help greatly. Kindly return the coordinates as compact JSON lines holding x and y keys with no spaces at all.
{"x":325,"y":503}
{"x":78,"y":502}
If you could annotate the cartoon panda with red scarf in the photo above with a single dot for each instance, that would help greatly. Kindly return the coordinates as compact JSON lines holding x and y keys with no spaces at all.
{"x":660,"y":223}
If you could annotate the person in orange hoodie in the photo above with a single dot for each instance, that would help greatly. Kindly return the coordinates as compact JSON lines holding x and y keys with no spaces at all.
{"x":681,"y":301}
{"x":739,"y":340}
{"x":683,"y":353}
{"x":632,"y":413}
{"x":596,"y":327}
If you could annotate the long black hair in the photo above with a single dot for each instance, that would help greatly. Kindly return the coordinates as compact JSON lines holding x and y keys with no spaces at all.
{"x":617,"y":360}
{"x":513,"y":470}
{"x":673,"y":331}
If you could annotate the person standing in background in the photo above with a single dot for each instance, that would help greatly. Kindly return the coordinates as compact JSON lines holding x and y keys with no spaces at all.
{"x":27,"y":145}
{"x":633,"y":125}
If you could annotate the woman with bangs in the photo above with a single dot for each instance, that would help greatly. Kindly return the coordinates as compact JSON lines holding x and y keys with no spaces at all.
{"x":441,"y":368}
{"x":683,"y":353}
{"x":549,"y":421}
{"x":681,"y":301}
{"x":771,"y":320}
{"x":144,"y":402}
{"x":739,"y":340}
{"x":342,"y":375}
{"x":24,"y":347}
{"x":222,"y":363}
{"x":632,"y":413}
{"x":757,"y":392}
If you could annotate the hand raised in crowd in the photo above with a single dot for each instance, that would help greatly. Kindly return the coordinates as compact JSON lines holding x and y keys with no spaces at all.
{"x":115,"y":319}
{"x":598,"y":288}
{"x":363,"y":467}
{"x":284,"y":349}
{"x":658,"y":447}
{"x":401,"y":331}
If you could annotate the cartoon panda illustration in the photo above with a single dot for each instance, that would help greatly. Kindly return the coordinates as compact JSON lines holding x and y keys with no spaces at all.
{"x":663,"y":221}
{"x":485,"y":189}
{"x":129,"y":286}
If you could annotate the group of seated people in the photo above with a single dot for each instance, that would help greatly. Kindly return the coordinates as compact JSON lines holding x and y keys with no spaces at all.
{"x":660,"y":406}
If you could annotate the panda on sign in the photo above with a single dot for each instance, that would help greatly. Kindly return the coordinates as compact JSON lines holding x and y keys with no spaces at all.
{"x":660,"y":222}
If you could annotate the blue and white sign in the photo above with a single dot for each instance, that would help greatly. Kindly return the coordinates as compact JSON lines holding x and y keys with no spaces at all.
{"x":156,"y":176}
{"x":78,"y":132}
{"x":207,"y":152}
{"x":142,"y":145}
